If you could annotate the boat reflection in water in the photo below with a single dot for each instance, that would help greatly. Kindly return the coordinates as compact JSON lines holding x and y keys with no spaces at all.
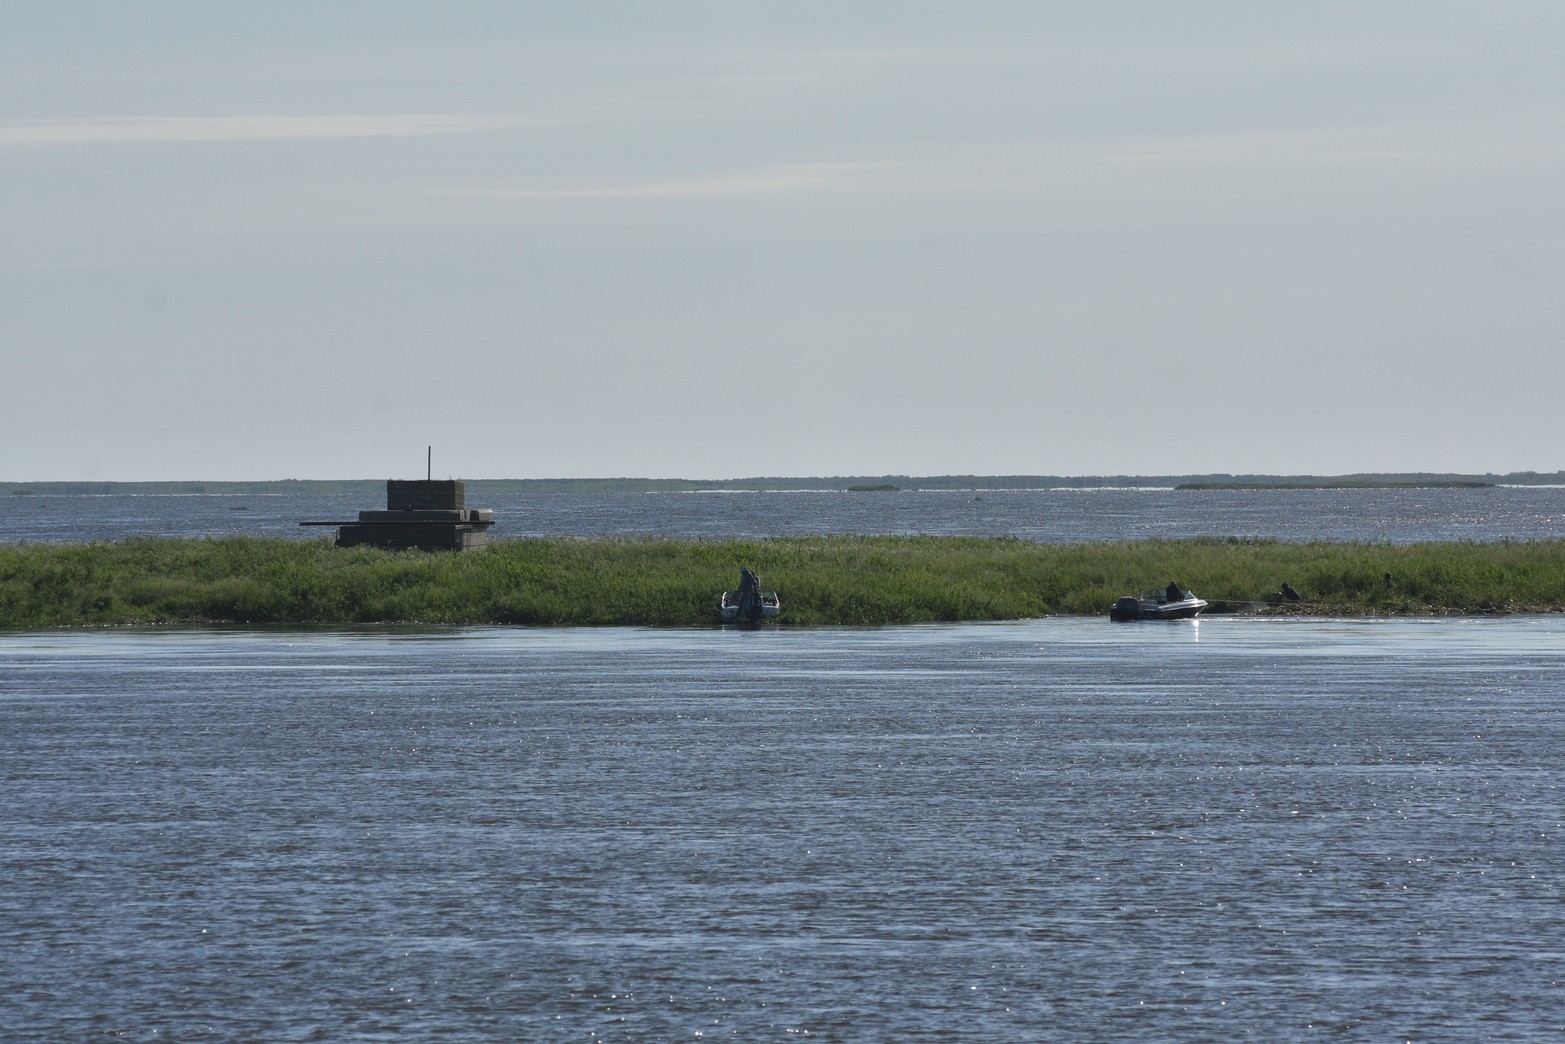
{"x":1170,"y":603}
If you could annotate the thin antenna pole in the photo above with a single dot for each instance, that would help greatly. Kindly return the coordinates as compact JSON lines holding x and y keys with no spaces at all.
{"x":429,"y":463}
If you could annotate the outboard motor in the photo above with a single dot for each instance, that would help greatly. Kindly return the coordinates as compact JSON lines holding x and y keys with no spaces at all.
{"x":1126,"y":608}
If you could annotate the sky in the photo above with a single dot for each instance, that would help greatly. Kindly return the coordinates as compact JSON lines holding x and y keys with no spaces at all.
{"x":730,"y":239}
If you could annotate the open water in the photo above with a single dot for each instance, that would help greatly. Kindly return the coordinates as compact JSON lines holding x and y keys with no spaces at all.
{"x":1049,"y":515}
{"x":1059,"y":829}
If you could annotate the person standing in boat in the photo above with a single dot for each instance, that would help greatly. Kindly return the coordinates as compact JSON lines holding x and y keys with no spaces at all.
{"x":1174,"y":593}
{"x":750,"y":607}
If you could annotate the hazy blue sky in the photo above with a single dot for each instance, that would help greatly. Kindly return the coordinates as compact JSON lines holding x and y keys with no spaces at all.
{"x":725,"y":239}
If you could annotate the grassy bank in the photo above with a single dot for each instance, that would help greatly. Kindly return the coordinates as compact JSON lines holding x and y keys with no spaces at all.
{"x":822,"y":580}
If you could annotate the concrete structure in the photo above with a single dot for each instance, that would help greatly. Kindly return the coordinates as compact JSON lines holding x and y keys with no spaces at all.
{"x":430,"y":515}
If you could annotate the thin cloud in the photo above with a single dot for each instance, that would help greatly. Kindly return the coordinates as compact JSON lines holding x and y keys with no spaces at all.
{"x":797,"y":178}
{"x":154,"y":129}
{"x":1426,"y":142}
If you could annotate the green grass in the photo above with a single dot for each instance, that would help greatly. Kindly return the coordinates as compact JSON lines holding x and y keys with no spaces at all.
{"x":821,"y":580}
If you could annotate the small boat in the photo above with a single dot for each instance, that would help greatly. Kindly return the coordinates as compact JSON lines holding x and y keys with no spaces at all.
{"x":749,"y":604}
{"x":1170,"y":603}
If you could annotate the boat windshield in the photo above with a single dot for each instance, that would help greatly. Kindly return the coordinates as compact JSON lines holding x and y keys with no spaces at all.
{"x":1166,"y":594}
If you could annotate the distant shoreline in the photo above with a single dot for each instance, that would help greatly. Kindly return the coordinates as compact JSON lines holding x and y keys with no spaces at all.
{"x":1345,"y":484}
{"x":375,"y":487}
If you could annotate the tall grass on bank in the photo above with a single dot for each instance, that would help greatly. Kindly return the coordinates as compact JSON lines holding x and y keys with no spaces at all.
{"x":822,"y":580}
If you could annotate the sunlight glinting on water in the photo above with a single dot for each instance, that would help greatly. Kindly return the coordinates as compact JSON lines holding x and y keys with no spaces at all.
{"x":1046,"y":828}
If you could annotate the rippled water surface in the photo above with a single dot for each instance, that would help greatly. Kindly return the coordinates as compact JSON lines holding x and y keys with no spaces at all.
{"x":1055,"y":829}
{"x":1050,"y":515}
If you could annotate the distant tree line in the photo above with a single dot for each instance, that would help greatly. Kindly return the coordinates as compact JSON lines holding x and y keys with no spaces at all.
{"x":374,"y":488}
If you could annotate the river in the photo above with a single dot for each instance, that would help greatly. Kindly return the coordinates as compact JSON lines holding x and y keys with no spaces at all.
{"x":1057,"y":515}
{"x":1275,"y":829}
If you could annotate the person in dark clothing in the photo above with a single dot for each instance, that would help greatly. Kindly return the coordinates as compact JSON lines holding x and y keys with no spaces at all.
{"x":750,"y":608}
{"x":1289,"y":593}
{"x":1174,"y":593}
